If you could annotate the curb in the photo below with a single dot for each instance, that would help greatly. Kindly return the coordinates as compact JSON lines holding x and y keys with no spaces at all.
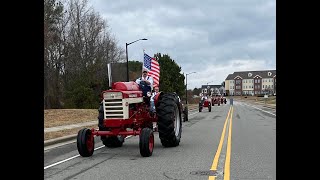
{"x":271,"y":107}
{"x":59,"y":140}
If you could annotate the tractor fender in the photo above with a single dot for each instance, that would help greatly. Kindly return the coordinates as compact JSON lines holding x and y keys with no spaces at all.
{"x":156,"y":98}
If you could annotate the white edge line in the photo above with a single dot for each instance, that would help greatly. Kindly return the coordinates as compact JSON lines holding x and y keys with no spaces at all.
{"x":259,"y":109}
{"x":65,"y":160}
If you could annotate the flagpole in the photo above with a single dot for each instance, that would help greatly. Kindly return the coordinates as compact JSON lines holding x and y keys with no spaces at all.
{"x":143,"y":60}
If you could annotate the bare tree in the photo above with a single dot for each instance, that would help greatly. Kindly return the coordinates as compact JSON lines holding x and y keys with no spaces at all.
{"x":77,"y":48}
{"x":53,"y":15}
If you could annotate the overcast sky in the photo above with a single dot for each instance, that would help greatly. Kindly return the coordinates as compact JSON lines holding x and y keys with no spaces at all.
{"x":213,"y":38}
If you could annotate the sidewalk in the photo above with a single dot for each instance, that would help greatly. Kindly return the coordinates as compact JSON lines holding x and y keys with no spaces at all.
{"x":71,"y":126}
{"x":272,"y":106}
{"x":68,"y":137}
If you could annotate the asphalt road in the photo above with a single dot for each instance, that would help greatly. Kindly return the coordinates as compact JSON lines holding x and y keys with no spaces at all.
{"x":250,"y":152}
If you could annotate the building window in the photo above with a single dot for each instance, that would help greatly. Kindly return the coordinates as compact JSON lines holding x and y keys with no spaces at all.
{"x":269,"y":73}
{"x":271,"y":86}
{"x":249,"y":74}
{"x":258,"y":80}
{"x":258,"y":86}
{"x":255,"y":81}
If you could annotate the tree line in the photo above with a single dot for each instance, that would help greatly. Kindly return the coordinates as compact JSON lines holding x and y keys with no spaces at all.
{"x":78,"y":46}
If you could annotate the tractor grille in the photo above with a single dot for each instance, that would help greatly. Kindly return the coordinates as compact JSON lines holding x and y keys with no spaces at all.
{"x":113,"y":108}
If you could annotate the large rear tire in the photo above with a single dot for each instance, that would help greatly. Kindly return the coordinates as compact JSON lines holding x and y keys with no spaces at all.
{"x":200,"y":107}
{"x":85,"y":142}
{"x":112,"y":141}
{"x":169,"y":120}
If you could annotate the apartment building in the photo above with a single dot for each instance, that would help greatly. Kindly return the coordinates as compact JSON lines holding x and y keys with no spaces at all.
{"x":251,"y":83}
{"x":213,"y":89}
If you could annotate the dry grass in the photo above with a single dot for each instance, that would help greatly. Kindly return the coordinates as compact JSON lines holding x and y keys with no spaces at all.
{"x":60,"y":117}
{"x":53,"y":135}
{"x":270,"y":100}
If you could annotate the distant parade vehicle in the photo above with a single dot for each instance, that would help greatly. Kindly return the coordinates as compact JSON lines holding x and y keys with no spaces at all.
{"x":223,"y":100}
{"x":216,"y":99}
{"x":204,"y":102}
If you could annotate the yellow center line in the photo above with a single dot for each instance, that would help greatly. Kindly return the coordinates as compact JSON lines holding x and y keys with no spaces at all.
{"x":226,"y":175}
{"x":216,"y":157}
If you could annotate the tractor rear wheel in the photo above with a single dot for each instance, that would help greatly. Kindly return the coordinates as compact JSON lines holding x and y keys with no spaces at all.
{"x":85,"y":142}
{"x":110,"y":141}
{"x":200,"y":107}
{"x":185,"y":114}
{"x":169,"y":120}
{"x":146,"y":142}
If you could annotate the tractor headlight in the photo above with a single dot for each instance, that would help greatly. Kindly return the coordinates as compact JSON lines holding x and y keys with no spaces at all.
{"x":112,"y":95}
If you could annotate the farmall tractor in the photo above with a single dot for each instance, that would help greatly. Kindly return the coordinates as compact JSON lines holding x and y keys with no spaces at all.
{"x":223,"y":100}
{"x":204,"y":103}
{"x":215,"y":99}
{"x":124,"y":111}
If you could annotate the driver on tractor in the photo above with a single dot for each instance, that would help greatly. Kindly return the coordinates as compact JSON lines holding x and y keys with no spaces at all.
{"x":145,"y":82}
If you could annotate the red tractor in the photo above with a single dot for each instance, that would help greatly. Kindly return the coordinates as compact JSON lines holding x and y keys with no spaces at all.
{"x":223,"y":100}
{"x":205,"y":103}
{"x":124,"y":111}
{"x":216,"y":100}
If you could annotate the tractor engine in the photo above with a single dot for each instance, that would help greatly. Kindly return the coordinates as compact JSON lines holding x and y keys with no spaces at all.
{"x":117,"y":102}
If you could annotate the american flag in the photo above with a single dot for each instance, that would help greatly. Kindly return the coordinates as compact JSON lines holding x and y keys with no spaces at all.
{"x":153,"y":68}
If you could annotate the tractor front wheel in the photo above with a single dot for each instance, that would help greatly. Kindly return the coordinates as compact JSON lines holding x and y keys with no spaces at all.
{"x":85,"y":142}
{"x":146,"y":142}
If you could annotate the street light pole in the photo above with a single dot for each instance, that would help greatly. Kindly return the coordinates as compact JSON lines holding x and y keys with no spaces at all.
{"x":127,"y":44}
{"x":187,"y":86}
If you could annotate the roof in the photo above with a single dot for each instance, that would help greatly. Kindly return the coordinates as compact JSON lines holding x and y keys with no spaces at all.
{"x":211,"y":86}
{"x":245,"y":74}
{"x":230,"y":77}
